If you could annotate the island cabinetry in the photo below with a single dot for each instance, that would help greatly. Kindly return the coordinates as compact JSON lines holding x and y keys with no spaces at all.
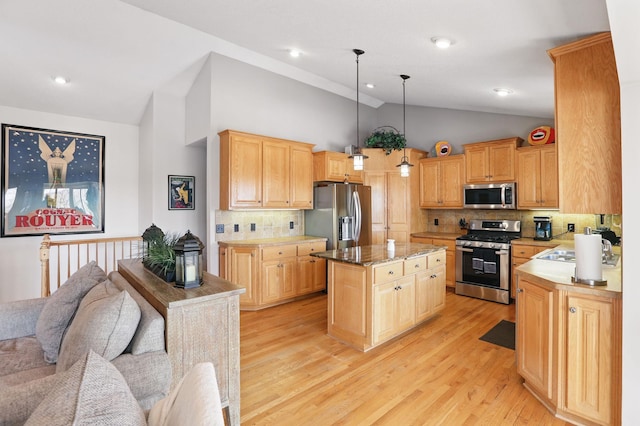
{"x":537,"y":177}
{"x":395,"y":200}
{"x":275,"y":272}
{"x":263,"y":172}
{"x":449,"y":274}
{"x":441,"y":181}
{"x":568,"y":349}
{"x":330,"y":166}
{"x":370,"y":304}
{"x":587,"y":97}
{"x":491,"y":161}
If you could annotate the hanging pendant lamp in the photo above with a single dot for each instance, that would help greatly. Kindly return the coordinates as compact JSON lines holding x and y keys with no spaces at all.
{"x":356,"y":153}
{"x":404,"y":162}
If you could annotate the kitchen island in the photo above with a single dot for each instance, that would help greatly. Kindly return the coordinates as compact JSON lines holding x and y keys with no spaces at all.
{"x":375,"y":294}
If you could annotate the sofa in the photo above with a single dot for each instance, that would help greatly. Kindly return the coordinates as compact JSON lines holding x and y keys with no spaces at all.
{"x":41,"y":339}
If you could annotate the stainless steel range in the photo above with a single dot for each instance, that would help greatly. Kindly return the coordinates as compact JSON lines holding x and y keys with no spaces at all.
{"x":483,"y":259}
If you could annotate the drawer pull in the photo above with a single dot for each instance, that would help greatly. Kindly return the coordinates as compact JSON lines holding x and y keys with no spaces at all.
{"x":437,"y":260}
{"x":390,"y":272}
{"x":279,"y":252}
{"x":416,"y":265}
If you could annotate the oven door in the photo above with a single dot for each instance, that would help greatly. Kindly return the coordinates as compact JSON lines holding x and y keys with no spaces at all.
{"x":483,"y":273}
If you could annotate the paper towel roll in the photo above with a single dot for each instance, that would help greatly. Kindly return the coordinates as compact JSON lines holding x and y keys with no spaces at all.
{"x":588,"y":256}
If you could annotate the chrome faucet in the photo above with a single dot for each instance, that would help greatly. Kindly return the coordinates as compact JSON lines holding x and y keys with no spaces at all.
{"x":607,"y":249}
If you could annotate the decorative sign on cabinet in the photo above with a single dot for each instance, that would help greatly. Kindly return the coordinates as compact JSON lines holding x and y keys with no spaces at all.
{"x":263,"y":172}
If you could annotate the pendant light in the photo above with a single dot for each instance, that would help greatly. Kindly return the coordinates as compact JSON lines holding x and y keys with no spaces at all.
{"x":356,"y":153}
{"x":404,"y":163}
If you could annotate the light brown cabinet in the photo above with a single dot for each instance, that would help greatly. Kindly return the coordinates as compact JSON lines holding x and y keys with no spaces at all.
{"x":368,"y":305}
{"x":263,"y":172}
{"x":587,"y":97}
{"x":491,"y":161}
{"x":449,"y":274}
{"x":330,"y":166}
{"x":274,"y":273}
{"x":568,"y":350}
{"x":537,"y":177}
{"x":395,"y":211}
{"x":521,"y":254}
{"x":441,"y":182}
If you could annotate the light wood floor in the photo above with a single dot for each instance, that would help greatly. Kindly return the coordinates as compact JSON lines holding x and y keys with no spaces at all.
{"x":292,"y":373}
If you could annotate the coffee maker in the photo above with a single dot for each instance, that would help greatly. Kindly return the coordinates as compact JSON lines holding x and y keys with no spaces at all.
{"x":543,"y":228}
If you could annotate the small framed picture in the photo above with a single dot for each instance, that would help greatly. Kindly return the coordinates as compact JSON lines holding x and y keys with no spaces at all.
{"x":182,"y":192}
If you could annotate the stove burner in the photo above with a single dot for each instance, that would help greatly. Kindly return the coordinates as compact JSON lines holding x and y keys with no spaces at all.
{"x":488,"y":238}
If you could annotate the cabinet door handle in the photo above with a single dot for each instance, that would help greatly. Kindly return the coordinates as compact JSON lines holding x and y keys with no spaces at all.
{"x":416,"y":265}
{"x":399,"y":287}
{"x":279,"y":252}
{"x":313,"y":261}
{"x":437,"y":260}
{"x":390,"y":272}
{"x":572,"y":310}
{"x":519,"y":290}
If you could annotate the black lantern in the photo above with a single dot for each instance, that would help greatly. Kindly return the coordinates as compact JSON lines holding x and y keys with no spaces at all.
{"x":189,"y":264}
{"x":149,"y":236}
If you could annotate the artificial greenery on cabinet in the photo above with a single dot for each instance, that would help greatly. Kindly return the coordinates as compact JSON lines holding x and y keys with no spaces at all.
{"x":387,"y":138}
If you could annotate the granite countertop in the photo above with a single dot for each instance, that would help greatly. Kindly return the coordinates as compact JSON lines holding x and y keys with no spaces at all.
{"x":559,"y":274}
{"x":550,"y":243}
{"x":372,"y":255}
{"x":272,"y":241}
{"x":440,"y":235}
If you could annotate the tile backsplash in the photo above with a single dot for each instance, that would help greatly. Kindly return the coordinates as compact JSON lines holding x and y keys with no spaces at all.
{"x":448,"y":221}
{"x":268,"y":224}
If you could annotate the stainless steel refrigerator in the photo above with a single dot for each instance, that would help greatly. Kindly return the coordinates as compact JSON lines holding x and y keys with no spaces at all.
{"x":342,"y":213}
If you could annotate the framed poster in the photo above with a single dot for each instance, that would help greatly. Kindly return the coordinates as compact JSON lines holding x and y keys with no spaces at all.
{"x":52,"y":182}
{"x":182,"y":192}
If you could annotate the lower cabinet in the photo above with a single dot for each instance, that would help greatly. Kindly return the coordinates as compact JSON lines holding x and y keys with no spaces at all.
{"x":521,"y":254}
{"x":274,"y":273}
{"x":369,"y":305}
{"x":450,"y":275}
{"x":568,"y":350}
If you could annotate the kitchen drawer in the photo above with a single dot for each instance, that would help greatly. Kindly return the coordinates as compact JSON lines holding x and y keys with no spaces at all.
{"x":518,"y":250}
{"x":387,"y":272}
{"x":415,"y":264}
{"x":436,"y":259}
{"x":278,"y":252}
{"x":450,"y":244}
{"x":308,"y":248}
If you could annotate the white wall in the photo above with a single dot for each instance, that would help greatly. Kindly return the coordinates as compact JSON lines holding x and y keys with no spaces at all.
{"x":623,"y":18}
{"x":426,"y":126}
{"x":19,"y":256}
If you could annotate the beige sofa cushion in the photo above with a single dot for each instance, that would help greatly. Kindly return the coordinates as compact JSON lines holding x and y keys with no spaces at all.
{"x":91,"y":392}
{"x":105,"y":322}
{"x":195,"y":401}
{"x":61,"y":306}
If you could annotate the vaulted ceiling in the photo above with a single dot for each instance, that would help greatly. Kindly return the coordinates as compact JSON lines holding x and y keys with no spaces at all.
{"x":117,"y":53}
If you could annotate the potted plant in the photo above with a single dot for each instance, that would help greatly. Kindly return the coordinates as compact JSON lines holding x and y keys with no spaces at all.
{"x":161,"y":259}
{"x":387,"y":138}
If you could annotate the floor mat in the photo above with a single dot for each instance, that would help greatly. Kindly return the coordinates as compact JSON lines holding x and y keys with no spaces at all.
{"x":502,"y":334}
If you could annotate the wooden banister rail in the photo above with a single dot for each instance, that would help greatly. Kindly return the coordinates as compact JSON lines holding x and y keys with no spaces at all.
{"x":60,"y":259}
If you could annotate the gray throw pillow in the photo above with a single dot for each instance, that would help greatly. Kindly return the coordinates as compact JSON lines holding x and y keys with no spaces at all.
{"x":105,"y":322}
{"x":91,"y":392}
{"x":62,"y":305}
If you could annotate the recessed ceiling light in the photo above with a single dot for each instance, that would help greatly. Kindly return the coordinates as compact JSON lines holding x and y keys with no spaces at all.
{"x":502,"y":91}
{"x":295,"y":53}
{"x":370,"y":85}
{"x":442,"y":42}
{"x":61,"y":80}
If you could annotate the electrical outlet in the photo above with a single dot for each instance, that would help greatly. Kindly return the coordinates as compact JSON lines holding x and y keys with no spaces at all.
{"x":435,"y":222}
{"x":236,"y":227}
{"x":291,"y":225}
{"x":253,"y":227}
{"x":220,"y":229}
{"x":571,"y":227}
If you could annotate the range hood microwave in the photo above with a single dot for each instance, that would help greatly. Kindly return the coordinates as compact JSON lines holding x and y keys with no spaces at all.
{"x":490,"y":196}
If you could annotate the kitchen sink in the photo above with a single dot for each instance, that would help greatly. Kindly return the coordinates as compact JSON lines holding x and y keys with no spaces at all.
{"x":570,"y":256}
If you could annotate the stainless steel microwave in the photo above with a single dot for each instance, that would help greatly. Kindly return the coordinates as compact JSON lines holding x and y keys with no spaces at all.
{"x":490,"y":196}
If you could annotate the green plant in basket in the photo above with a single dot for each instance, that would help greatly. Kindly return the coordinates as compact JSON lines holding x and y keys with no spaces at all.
{"x":161,"y":258}
{"x":387,"y":138}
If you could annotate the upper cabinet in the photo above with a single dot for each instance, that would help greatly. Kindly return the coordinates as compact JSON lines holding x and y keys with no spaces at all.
{"x":441,"y":182}
{"x":537,"y":177}
{"x":491,"y":161}
{"x":587,"y":96}
{"x":262,"y":172}
{"x":331,"y":166}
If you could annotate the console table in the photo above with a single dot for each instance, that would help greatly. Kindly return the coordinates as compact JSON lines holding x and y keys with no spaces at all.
{"x":201,"y":325}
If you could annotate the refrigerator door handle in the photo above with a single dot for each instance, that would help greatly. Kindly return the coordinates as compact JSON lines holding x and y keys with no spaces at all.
{"x":357,"y":210}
